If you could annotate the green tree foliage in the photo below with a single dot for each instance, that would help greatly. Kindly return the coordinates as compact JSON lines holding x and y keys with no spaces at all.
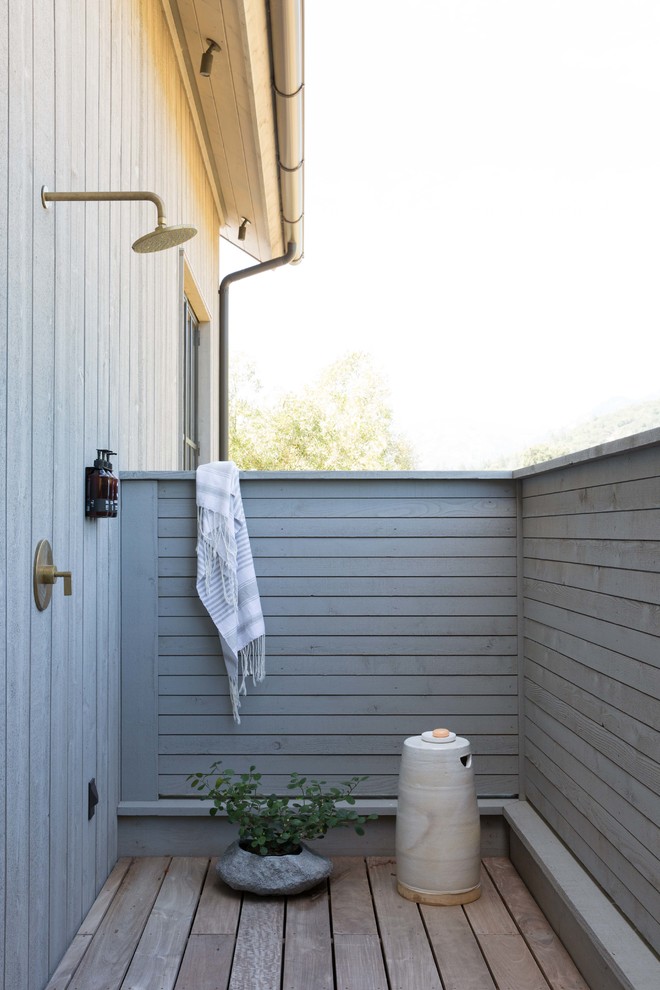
{"x":623,"y":422}
{"x":341,"y":422}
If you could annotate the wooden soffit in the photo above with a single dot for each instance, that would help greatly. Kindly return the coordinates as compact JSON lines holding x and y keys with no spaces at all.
{"x":234,"y":113}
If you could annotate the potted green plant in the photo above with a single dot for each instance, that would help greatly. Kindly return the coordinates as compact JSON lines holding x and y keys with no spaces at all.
{"x":271,"y":854}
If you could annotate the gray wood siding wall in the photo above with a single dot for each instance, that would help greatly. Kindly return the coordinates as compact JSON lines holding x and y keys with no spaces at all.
{"x":592,"y":670}
{"x":90,"y":98}
{"x":390,"y":607}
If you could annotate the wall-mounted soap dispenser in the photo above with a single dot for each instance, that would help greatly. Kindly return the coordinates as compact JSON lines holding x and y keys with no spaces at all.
{"x":101,"y":488}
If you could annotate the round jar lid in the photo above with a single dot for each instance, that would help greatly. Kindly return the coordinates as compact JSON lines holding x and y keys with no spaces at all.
{"x":439,"y":736}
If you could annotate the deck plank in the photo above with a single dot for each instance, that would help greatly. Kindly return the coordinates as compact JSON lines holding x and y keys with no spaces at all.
{"x":72,"y":958}
{"x":105,"y":963}
{"x":507,"y":954}
{"x":69,"y":963}
{"x":359,"y":963}
{"x":457,"y":952}
{"x":408,"y":956}
{"x":511,"y":963}
{"x":308,"y":942}
{"x":219,"y":907}
{"x":258,"y":954}
{"x":488,"y":915}
{"x":352,"y":906}
{"x":557,"y":966}
{"x":207,"y":963}
{"x":158,"y":956}
{"x":104,"y":900}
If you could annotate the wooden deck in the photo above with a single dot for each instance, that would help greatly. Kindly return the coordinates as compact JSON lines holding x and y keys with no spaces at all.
{"x":169,"y":924}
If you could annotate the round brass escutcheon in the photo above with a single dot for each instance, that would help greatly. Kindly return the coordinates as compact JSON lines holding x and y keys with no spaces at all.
{"x":43,"y":557}
{"x":45,"y":574}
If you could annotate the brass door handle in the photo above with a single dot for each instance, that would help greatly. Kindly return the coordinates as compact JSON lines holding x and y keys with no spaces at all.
{"x":46,"y":574}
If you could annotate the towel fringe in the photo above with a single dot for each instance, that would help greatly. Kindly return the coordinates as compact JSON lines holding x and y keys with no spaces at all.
{"x":252,"y":659}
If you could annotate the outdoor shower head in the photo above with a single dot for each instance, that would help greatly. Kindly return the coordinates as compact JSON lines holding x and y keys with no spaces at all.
{"x":163,"y":237}
{"x":157,"y":240}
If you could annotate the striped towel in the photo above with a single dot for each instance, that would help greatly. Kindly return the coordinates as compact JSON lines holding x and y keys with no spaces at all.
{"x":226,"y":582}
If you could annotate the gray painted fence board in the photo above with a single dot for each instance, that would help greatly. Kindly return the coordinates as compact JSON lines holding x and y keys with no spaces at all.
{"x":376,"y":787}
{"x":379,"y":546}
{"x":337,"y":724}
{"x":597,"y":526}
{"x":280,"y":765}
{"x":229,"y":736}
{"x":641,"y":555}
{"x":263,"y":530}
{"x":355,"y":625}
{"x":627,"y":466}
{"x":604,"y":580}
{"x":324,"y":706}
{"x":342,"y":645}
{"x":347,"y":508}
{"x":401,"y":666}
{"x":361,"y":605}
{"x":617,"y":497}
{"x":402,"y":565}
{"x":315,"y":484}
{"x":387,"y":587}
{"x":371,"y":685}
{"x":139,"y":643}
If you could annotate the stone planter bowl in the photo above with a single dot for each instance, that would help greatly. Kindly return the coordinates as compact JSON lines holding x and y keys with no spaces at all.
{"x":291,"y":874}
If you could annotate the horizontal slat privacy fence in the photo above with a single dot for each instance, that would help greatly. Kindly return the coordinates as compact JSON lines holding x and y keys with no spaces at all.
{"x":592,"y":669}
{"x":390,"y":607}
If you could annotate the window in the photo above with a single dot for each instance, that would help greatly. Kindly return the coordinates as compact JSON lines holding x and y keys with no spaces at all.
{"x":190,"y":387}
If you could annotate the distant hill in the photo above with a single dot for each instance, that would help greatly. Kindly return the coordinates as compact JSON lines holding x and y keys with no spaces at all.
{"x":622,"y":422}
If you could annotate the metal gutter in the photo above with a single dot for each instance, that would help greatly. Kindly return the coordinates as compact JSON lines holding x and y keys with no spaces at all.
{"x":223,"y":293}
{"x":287,"y":43}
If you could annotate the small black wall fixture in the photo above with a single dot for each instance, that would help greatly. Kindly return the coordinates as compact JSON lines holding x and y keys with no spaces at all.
{"x":207,"y":57}
{"x":92,"y":798}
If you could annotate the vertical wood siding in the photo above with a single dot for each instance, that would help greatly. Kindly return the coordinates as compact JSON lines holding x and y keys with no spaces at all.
{"x":90,"y":98}
{"x":389,"y":606}
{"x":592,"y":670}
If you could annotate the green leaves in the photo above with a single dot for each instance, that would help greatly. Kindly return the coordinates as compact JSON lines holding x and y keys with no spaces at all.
{"x":271,"y":824}
{"x":342,"y":421}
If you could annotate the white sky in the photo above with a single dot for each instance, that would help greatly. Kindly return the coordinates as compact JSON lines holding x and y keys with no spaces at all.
{"x":482,"y":213}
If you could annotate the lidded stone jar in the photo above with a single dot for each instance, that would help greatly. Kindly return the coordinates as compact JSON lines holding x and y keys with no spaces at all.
{"x":437,"y":824}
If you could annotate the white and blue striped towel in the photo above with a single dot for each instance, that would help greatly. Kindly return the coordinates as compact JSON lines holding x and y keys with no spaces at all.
{"x":226,"y":581}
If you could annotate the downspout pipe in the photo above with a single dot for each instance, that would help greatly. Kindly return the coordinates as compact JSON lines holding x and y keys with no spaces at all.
{"x":223,"y":293}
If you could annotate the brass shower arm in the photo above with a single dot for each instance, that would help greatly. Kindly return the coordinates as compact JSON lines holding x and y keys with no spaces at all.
{"x":105,"y":197}
{"x":162,"y":237}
